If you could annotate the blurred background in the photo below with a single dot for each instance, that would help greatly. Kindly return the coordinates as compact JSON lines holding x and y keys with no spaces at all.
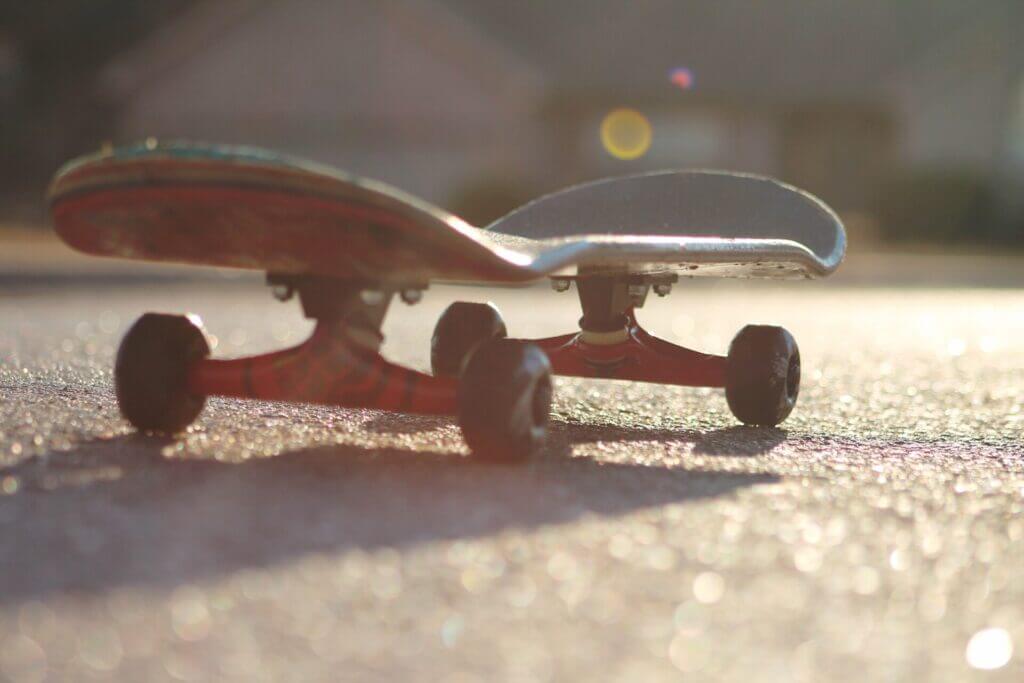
{"x":907,"y":117}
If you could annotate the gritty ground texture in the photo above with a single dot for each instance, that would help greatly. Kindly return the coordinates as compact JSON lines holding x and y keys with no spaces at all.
{"x":879,"y":535}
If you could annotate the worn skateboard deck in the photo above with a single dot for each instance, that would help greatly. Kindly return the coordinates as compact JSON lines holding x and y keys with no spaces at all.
{"x":248,"y":208}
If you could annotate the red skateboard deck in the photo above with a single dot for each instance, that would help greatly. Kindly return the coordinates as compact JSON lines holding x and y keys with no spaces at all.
{"x":247,"y":208}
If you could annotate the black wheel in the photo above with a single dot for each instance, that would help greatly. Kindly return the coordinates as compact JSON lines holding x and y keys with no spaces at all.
{"x":504,"y":400}
{"x":151,"y":372}
{"x":461,"y":328}
{"x":762,"y":377}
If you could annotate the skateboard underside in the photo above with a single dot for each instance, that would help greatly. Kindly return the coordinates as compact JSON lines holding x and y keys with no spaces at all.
{"x":245,"y":208}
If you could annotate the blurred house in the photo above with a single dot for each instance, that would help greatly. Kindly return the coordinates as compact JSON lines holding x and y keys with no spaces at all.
{"x":912,"y":111}
{"x":405,"y":92}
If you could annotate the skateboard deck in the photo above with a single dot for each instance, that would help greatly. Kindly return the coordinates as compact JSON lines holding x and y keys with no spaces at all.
{"x":247,"y":208}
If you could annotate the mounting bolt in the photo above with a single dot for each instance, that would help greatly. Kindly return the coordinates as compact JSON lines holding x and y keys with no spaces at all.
{"x":411,"y":296}
{"x":560,"y":284}
{"x":637,"y":294}
{"x":662,"y":288}
{"x":282,"y":292}
{"x":372,"y":297}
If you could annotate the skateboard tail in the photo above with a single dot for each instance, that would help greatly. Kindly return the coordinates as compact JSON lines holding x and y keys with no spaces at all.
{"x":208,"y":211}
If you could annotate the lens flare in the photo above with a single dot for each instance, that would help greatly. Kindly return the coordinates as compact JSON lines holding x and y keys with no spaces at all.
{"x":682,"y":77}
{"x":626,"y":134}
{"x":989,"y":648}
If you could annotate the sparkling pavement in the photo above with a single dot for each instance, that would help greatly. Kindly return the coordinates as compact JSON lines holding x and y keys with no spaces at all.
{"x":878,"y":536}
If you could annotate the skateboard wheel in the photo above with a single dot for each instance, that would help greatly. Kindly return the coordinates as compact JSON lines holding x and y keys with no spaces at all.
{"x":762,"y":376}
{"x":504,"y":400}
{"x":151,"y":372}
{"x":461,"y":328}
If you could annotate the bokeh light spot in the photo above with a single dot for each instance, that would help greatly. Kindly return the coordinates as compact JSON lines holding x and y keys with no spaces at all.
{"x":708,"y":587}
{"x":682,"y":77}
{"x":989,"y":648}
{"x":626,"y":134}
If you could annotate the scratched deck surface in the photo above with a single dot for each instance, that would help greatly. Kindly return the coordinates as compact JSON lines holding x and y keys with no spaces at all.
{"x":246,"y":208}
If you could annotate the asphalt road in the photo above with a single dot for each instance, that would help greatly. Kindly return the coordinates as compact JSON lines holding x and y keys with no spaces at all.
{"x":878,"y":536}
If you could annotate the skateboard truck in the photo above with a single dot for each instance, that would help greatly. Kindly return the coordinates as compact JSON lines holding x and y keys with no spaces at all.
{"x":502,"y":395}
{"x":163,"y":373}
{"x":611,"y":344}
{"x":761,"y":373}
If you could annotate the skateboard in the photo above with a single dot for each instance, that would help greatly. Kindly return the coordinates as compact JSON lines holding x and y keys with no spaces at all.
{"x":347,"y":246}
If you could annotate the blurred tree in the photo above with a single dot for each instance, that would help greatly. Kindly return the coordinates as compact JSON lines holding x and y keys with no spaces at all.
{"x":488,"y":198}
{"x":54,"y":50}
{"x":939,"y":205}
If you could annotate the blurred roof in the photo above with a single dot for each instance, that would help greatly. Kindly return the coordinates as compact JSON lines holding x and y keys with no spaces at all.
{"x":317,"y":32}
{"x":778,"y":49}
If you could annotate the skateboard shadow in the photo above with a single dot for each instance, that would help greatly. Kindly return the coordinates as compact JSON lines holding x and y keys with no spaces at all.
{"x":116,"y":513}
{"x":728,"y":441}
{"x":738,"y":440}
